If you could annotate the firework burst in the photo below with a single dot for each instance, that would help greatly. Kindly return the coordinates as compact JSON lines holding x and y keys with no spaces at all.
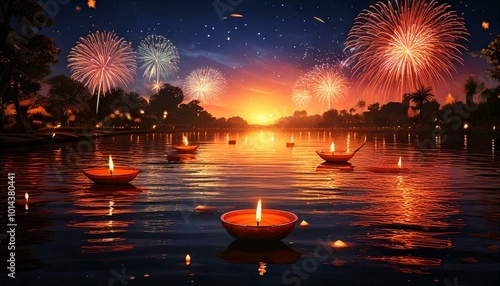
{"x":205,"y":84}
{"x":327,"y":83}
{"x":102,"y":61}
{"x":301,"y":94}
{"x":158,"y":57}
{"x":398,"y":47}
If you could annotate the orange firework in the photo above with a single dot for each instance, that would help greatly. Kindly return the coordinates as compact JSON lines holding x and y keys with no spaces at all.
{"x":485,"y":25}
{"x":398,"y":47}
{"x":91,"y":3}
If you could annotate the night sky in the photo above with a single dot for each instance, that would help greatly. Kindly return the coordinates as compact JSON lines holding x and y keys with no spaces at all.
{"x":262,"y":53}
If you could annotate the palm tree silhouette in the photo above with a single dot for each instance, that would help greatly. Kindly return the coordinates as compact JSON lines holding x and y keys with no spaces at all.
{"x":471,"y":88}
{"x":419,"y":97}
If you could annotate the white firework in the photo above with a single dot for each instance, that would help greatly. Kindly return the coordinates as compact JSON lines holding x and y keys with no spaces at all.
{"x":158,"y":57}
{"x":204,"y":84}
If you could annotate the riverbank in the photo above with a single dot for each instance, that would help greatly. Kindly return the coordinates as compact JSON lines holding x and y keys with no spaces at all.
{"x":69,"y":134}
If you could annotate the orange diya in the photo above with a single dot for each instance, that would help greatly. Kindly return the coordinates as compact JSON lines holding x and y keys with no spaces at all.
{"x":290,"y":144}
{"x":185,"y":147}
{"x":111,"y":175}
{"x":260,"y":224}
{"x":394,"y":168}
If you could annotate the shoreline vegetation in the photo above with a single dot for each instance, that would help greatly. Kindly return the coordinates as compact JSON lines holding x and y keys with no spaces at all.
{"x":70,"y":134}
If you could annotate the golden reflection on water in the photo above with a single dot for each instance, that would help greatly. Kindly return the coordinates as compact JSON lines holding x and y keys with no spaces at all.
{"x":103,"y":208}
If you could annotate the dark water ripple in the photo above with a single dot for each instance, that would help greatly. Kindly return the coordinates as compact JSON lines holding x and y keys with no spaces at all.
{"x":436,"y":223}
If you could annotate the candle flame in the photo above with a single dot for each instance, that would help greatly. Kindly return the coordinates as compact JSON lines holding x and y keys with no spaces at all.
{"x":258,"y":214}
{"x":53,"y":135}
{"x":188,"y":259}
{"x":111,"y":166}
{"x":292,"y":138}
{"x":332,"y":147}
{"x":399,"y":163}
{"x":304,"y":224}
{"x":185,"y":140}
{"x":339,"y":244}
{"x":26,"y":196}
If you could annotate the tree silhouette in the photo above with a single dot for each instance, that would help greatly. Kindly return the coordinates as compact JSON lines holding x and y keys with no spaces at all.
{"x":25,"y":56}
{"x":419,"y":97}
{"x":471,"y":88}
{"x":492,"y":55}
{"x":166,"y":100}
{"x":65,"y":94}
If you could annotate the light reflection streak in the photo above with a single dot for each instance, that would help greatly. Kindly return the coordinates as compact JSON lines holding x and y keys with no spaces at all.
{"x":103,"y":208}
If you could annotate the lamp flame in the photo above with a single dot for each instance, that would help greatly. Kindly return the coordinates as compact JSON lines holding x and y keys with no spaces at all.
{"x":26,"y":196}
{"x":111,"y":166}
{"x":185,"y":140}
{"x":399,"y":163}
{"x":258,"y":214}
{"x":332,"y":147}
{"x":188,"y":259}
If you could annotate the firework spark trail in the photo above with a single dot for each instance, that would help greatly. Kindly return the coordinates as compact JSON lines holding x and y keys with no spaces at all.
{"x":159,"y":58}
{"x":102,"y":61}
{"x":397,"y":48}
{"x":205,"y":84}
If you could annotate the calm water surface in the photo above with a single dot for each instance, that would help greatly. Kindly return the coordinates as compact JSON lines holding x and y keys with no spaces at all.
{"x":437,"y":224}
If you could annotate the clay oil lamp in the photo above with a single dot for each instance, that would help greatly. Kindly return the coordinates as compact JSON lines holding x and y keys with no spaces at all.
{"x":390,"y":168}
{"x":111,"y":175}
{"x":185,"y":147}
{"x":230,"y":141}
{"x":290,"y":144}
{"x":260,"y":224}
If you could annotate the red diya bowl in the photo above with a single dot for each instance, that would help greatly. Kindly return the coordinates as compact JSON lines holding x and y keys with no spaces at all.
{"x":186,"y":149}
{"x":290,"y":144}
{"x":335,"y":157}
{"x":231,"y":142}
{"x":119,"y":176}
{"x":274,"y":225}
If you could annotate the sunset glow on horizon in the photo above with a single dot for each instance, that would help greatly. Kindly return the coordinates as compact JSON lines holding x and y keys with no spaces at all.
{"x":263,"y":54}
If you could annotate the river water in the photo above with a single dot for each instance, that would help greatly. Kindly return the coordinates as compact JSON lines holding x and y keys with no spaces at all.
{"x":437,"y":224}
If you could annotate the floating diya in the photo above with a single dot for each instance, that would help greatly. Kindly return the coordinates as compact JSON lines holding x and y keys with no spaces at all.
{"x":332,"y":156}
{"x":390,"y":168}
{"x":185,"y":147}
{"x":259,"y":224}
{"x":111,"y":175}
{"x":290,"y":144}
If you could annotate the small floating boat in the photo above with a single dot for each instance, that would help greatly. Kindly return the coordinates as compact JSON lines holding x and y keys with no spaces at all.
{"x":331,"y":156}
